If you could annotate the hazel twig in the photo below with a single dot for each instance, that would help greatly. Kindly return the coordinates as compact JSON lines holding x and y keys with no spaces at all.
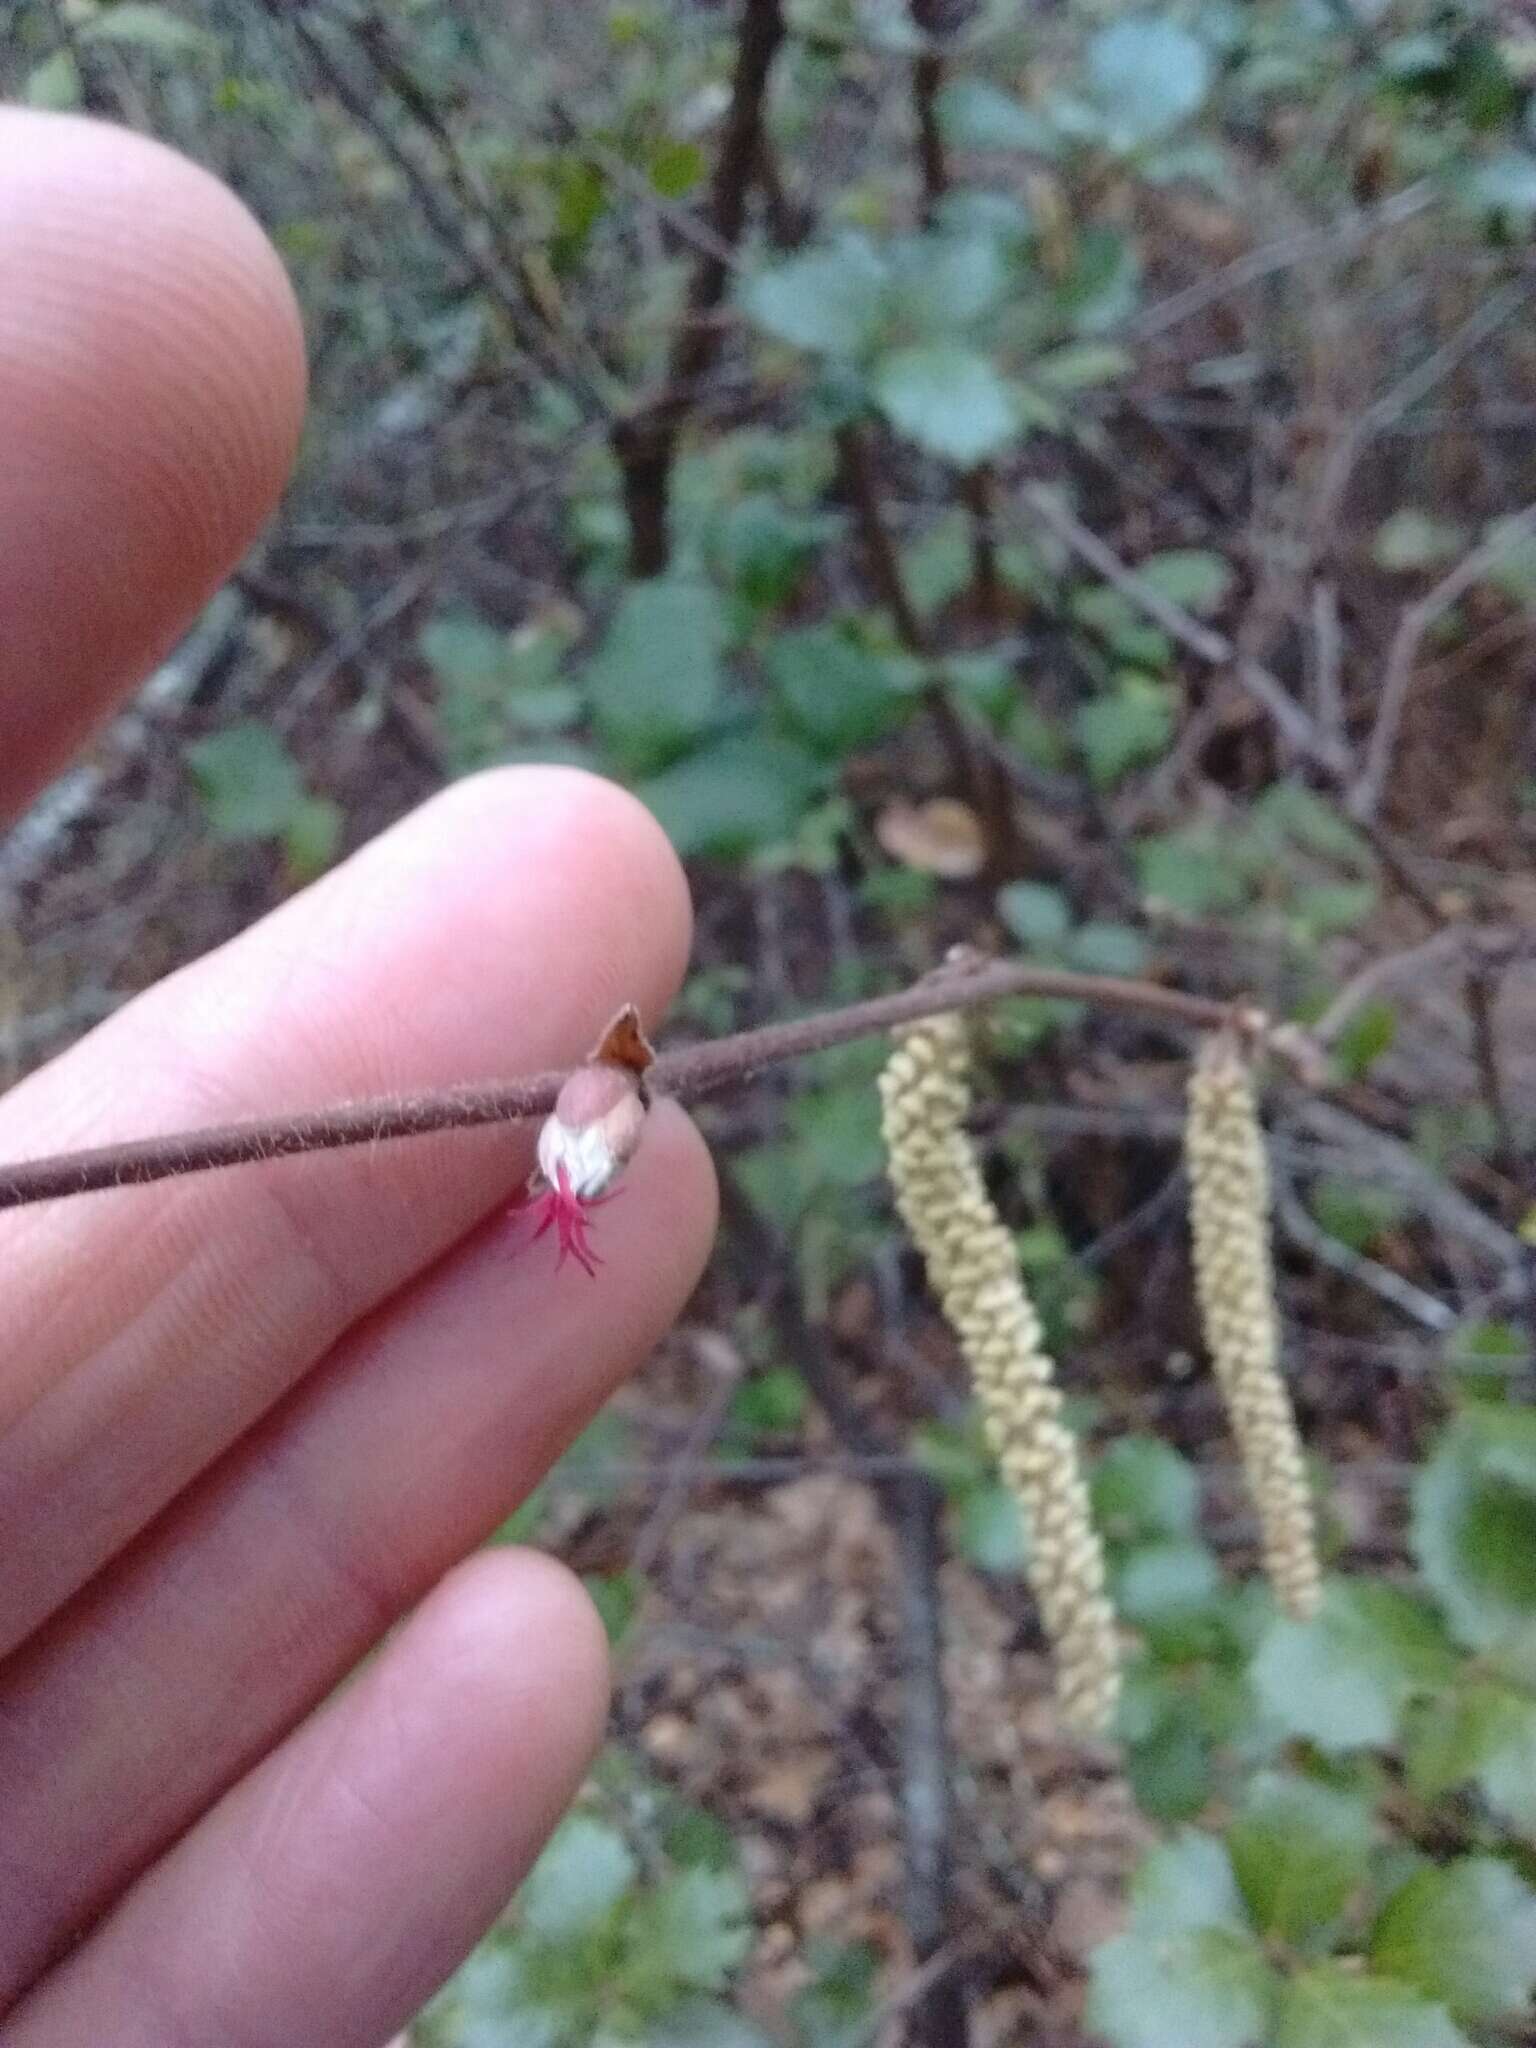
{"x":685,"y":1074}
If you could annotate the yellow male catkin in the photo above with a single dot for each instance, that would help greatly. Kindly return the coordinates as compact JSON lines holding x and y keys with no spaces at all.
{"x":974,"y":1270}
{"x":1234,"y":1280}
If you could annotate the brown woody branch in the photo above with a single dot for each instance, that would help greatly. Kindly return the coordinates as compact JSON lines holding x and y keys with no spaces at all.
{"x":685,"y":1074}
{"x":645,"y":443}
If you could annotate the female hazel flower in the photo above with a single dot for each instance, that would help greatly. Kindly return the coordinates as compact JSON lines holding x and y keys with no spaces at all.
{"x":585,"y":1144}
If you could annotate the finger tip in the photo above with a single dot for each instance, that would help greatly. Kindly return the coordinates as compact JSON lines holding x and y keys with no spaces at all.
{"x":682,"y":1191}
{"x":152,"y":380}
{"x":594,"y":831}
{"x":483,"y":1618}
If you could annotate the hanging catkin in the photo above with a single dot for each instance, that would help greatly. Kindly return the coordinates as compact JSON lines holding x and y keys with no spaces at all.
{"x":973,"y":1267}
{"x":1234,"y":1279}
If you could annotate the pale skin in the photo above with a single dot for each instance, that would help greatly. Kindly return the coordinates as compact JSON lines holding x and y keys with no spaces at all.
{"x":251,"y":1421}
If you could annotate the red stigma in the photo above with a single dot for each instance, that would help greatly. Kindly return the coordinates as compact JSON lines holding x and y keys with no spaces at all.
{"x":567,"y":1214}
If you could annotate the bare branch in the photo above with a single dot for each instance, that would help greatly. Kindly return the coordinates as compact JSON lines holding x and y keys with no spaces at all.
{"x":1265,"y":688}
{"x":688,"y":1073}
{"x":1403,"y":654}
{"x":1337,"y":239}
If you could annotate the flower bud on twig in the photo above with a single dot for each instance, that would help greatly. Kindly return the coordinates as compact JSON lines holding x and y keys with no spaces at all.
{"x":589,"y":1138}
{"x":973,"y":1266}
{"x":1234,"y":1280}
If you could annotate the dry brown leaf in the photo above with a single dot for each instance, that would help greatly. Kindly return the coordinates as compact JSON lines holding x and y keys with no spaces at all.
{"x":939,"y":837}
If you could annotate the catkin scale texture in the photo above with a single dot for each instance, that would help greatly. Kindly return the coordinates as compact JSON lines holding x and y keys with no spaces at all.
{"x":972,"y":1265}
{"x":1234,"y":1282}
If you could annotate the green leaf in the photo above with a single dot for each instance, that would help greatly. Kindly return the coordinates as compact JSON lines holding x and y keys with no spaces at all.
{"x":949,"y":400}
{"x":1322,"y":909}
{"x":989,"y":1528}
{"x":1504,"y":183}
{"x":695,"y":1927}
{"x":1333,"y":2006}
{"x":954,"y":1454}
{"x":1170,"y":1769}
{"x":769,"y":1403}
{"x":763,"y":550}
{"x":1369,"y":1033}
{"x":1141,"y":1488}
{"x":1083,"y":365}
{"x":54,"y":84}
{"x":976,"y":115}
{"x":1185,"y":1884}
{"x":655,"y":681}
{"x":1161,"y":1584}
{"x":1123,"y":731}
{"x":840,"y":695}
{"x":1356,"y":1212}
{"x":944,"y":283}
{"x":1474,"y":1525}
{"x":1343,"y":1680}
{"x":1191,"y":871}
{"x":1299,"y":1850}
{"x":1414,"y":539}
{"x":1193,"y":578}
{"x":698,"y":2024}
{"x":1464,"y":1934}
{"x":586,"y":1870}
{"x":674,"y":168}
{"x":1208,"y":1987}
{"x":136,"y":24}
{"x":741,"y":793}
{"x":831,"y":302}
{"x":1483,"y":1731}
{"x":1147,"y":75}
{"x":1038,"y":915}
{"x":617,"y":1597}
{"x":838,"y":1131}
{"x":938,"y":567}
{"x":311,"y":837}
{"x":1108,"y":949}
{"x":249,"y":782}
{"x":1512,"y":570}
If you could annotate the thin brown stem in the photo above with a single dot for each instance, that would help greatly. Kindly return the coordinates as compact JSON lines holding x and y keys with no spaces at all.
{"x":978,"y":493}
{"x":1481,"y":990}
{"x":645,"y":443}
{"x":971,"y":767}
{"x":927,"y":80}
{"x":686,"y":1074}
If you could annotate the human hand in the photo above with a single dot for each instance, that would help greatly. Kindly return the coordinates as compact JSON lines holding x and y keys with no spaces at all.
{"x":248,"y":1419}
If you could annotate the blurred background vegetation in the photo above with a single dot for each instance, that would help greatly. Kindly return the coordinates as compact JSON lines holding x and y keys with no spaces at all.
{"x":1058,"y":478}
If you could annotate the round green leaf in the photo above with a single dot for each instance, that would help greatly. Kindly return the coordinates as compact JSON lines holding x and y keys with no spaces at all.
{"x":1299,"y":1850}
{"x":1186,"y":1884}
{"x":948,"y":399}
{"x":976,"y":115}
{"x":655,"y":681}
{"x":831,"y":302}
{"x":1464,"y":1934}
{"x":1205,"y":1988}
{"x":743,"y":792}
{"x":582,"y":1875}
{"x":1474,"y":1526}
{"x":1037,"y":914}
{"x":1147,"y":74}
{"x":839,"y":694}
{"x":1142,"y":1488}
{"x":1343,"y":1680}
{"x":249,"y":782}
{"x":1484,"y":1732}
{"x":1333,"y":2006}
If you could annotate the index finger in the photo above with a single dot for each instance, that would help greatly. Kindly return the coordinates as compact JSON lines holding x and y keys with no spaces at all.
{"x":151,"y":391}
